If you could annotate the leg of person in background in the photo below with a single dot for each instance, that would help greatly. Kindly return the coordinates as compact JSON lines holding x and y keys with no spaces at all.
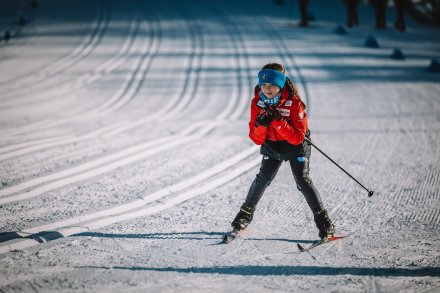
{"x":379,"y":7}
{"x":352,"y":15}
{"x":399,"y":24}
{"x":304,"y":13}
{"x":355,"y":12}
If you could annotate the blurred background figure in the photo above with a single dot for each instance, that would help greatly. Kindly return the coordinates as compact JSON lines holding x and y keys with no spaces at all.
{"x":352,"y":12}
{"x":380,"y":6}
{"x":303,"y":4}
{"x":400,"y":6}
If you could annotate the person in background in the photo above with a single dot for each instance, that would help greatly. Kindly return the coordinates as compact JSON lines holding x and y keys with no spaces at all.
{"x":380,"y":6}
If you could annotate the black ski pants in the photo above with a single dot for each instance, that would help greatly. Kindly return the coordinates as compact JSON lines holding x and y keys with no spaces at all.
{"x":300,"y":169}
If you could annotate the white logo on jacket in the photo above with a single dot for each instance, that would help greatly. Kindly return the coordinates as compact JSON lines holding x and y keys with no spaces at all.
{"x":261,"y":104}
{"x":288,"y":103}
{"x":301,"y":115}
{"x":284,"y":112}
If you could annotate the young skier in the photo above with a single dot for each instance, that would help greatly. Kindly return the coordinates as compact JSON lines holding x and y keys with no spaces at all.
{"x":279,"y":124}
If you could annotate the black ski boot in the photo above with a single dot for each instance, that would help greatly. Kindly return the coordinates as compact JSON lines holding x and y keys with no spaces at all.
{"x":243,"y":218}
{"x":324,"y":224}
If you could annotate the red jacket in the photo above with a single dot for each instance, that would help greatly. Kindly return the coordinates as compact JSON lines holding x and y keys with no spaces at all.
{"x":292,"y":128}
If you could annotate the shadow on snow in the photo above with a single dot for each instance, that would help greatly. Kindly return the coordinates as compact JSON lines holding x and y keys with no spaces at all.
{"x":289,"y":270}
{"x":200,"y":235}
{"x":45,"y":236}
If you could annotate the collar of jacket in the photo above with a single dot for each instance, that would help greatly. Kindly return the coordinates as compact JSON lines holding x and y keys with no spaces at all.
{"x":285,"y":94}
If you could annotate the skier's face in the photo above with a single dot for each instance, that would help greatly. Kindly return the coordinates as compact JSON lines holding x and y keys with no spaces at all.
{"x":270,"y":90}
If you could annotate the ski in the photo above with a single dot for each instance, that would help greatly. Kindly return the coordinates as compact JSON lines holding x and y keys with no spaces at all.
{"x":230,"y":236}
{"x":319,"y":242}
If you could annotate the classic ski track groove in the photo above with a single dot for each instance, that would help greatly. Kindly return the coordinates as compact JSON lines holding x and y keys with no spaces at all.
{"x":11,"y":84}
{"x":121,"y":126}
{"x":83,"y":51}
{"x":177,"y":193}
{"x":109,"y":130}
{"x":95,"y":163}
{"x":179,"y":99}
{"x":121,"y":98}
{"x":245,"y":90}
{"x":93,"y":166}
{"x":94,"y":75}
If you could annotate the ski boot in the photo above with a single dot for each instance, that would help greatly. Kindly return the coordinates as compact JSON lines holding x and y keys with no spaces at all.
{"x":243,"y":218}
{"x":324,"y":224}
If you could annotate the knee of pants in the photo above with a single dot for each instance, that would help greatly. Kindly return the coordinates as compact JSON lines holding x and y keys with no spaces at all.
{"x":263,"y":180}
{"x":303,"y":181}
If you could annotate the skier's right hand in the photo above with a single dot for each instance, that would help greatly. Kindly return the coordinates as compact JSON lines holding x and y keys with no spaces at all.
{"x":263,"y":119}
{"x":273,"y":113}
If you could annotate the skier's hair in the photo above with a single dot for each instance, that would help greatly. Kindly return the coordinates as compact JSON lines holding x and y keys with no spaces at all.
{"x":275,"y":66}
{"x":289,"y":84}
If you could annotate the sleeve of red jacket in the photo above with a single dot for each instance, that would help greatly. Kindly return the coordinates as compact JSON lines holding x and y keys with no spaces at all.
{"x":294,"y":130}
{"x":256,"y":133}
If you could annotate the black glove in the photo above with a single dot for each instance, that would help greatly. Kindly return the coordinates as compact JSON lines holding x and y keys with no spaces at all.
{"x":273,"y":112}
{"x":263,"y":119}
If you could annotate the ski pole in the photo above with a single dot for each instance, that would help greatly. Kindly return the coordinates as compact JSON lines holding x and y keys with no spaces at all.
{"x":370,"y":192}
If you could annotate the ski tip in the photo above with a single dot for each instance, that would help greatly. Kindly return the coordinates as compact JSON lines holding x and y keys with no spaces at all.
{"x":335,"y":237}
{"x":300,"y":247}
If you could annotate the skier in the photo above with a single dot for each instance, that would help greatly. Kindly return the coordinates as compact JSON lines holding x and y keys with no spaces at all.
{"x":279,"y":124}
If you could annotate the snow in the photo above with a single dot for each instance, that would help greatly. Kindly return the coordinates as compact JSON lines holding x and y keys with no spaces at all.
{"x":124,"y":153}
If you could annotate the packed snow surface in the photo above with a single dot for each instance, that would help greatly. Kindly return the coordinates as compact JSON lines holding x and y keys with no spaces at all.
{"x":124,"y":150}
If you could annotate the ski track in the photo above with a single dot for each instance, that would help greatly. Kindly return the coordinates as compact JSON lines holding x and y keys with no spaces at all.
{"x":98,"y":132}
{"x":28,"y":80}
{"x":116,"y":128}
{"x":69,"y":86}
{"x":110,"y":158}
{"x":49,"y":74}
{"x":129,"y":89}
{"x":112,"y":130}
